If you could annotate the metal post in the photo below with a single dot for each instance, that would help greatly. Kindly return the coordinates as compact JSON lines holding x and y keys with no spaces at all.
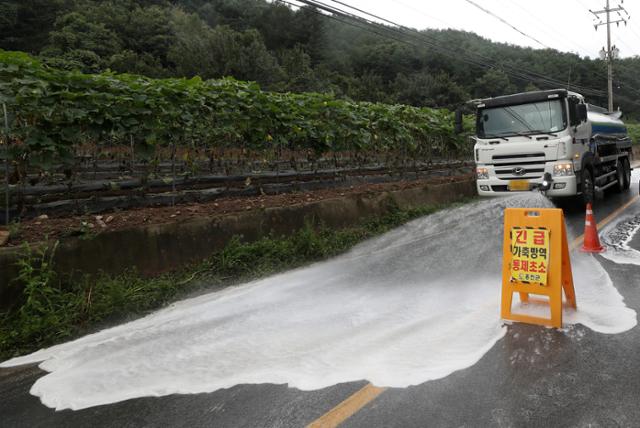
{"x":133,"y":155}
{"x":173,"y":173}
{"x":6,"y":165}
{"x":609,"y":59}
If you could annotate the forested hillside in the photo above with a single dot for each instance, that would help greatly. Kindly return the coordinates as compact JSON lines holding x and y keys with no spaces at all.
{"x":291,"y":50}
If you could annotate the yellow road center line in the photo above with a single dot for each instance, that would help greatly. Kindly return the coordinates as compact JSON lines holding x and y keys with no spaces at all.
{"x":368,"y":393}
{"x":347,"y":408}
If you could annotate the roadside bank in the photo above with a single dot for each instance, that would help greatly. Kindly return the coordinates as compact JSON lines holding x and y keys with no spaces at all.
{"x":157,"y":248}
{"x":51,"y":306}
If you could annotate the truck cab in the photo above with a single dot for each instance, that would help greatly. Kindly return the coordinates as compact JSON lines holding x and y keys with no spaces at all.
{"x":548,"y":140}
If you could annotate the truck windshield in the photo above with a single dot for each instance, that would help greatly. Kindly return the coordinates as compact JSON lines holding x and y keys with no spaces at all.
{"x":540,"y":117}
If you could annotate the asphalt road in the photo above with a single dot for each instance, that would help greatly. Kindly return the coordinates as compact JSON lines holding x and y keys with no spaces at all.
{"x":579,"y":379}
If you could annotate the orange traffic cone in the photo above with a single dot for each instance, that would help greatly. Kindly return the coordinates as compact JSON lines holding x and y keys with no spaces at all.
{"x":591,"y":241}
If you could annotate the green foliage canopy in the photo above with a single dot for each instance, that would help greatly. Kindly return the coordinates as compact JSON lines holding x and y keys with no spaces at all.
{"x":284,"y":49}
{"x":55,"y":110}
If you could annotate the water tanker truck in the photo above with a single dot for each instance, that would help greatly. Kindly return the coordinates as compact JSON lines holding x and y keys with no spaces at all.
{"x":550,"y":141}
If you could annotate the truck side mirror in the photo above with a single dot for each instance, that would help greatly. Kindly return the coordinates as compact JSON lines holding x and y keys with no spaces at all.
{"x":581,"y":112}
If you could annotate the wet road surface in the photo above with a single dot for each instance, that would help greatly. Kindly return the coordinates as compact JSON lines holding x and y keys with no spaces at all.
{"x":532,"y":377}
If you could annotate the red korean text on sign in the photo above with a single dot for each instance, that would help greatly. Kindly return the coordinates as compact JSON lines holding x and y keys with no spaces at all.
{"x":530,"y":255}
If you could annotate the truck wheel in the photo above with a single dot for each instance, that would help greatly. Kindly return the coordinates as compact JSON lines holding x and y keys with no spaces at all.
{"x":588,"y":187}
{"x":627,"y":173}
{"x":620,"y":177}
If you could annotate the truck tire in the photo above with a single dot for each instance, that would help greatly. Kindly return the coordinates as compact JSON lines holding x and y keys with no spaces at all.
{"x":620,"y":177}
{"x":588,"y":187}
{"x":627,"y":173}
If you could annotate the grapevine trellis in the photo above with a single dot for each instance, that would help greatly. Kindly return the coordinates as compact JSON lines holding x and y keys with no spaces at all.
{"x":76,"y":136}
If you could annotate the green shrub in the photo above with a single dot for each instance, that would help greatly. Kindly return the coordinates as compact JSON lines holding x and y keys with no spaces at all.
{"x":54,"y":111}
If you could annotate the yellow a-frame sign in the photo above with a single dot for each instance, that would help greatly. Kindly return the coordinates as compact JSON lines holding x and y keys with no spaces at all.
{"x":536,"y":261}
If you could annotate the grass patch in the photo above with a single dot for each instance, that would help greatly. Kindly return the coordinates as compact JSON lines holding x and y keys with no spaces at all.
{"x":54,"y":308}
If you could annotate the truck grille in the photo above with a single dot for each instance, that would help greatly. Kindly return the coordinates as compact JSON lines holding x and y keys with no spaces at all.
{"x":519,"y":166}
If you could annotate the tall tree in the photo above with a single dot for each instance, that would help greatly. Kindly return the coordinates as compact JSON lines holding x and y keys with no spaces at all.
{"x":25,"y":24}
{"x":222,"y":51}
{"x":293,"y":49}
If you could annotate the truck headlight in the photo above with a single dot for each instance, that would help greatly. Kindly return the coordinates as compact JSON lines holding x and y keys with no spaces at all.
{"x":482,"y":173}
{"x":563,"y":169}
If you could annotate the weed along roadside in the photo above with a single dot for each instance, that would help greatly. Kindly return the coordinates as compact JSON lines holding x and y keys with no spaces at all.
{"x":50,"y":300}
{"x":157,"y":248}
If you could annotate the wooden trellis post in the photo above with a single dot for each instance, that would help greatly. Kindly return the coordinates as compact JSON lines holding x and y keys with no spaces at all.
{"x":7,"y":198}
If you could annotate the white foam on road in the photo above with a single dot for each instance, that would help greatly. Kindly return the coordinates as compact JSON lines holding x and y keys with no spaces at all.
{"x":600,"y":306}
{"x":415,"y":304}
{"x":616,"y":238}
{"x":617,"y":235}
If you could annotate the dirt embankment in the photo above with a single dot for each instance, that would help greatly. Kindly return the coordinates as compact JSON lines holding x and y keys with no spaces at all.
{"x":155,"y":240}
{"x":55,"y":228}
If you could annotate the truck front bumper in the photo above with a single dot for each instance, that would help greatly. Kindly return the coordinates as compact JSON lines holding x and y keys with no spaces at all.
{"x":560,"y":186}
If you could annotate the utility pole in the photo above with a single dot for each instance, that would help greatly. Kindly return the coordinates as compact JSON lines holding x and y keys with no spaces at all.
{"x":612,"y":52}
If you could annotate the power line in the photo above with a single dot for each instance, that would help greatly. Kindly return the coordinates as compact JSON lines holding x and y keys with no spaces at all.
{"x":620,"y":40}
{"x":475,"y":59}
{"x":505,"y":22}
{"x":617,"y":79}
{"x":350,"y":22}
{"x":488,"y":62}
{"x":611,"y":51}
{"x":553,"y":30}
{"x":520,"y":72}
{"x":513,"y":3}
{"x":634,"y":32}
{"x":333,"y":11}
{"x":525,"y":11}
{"x":424,"y":14}
{"x":621,"y":82}
{"x":398,"y":33}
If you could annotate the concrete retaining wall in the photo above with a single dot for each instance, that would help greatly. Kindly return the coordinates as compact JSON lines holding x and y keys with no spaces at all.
{"x":157,"y":248}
